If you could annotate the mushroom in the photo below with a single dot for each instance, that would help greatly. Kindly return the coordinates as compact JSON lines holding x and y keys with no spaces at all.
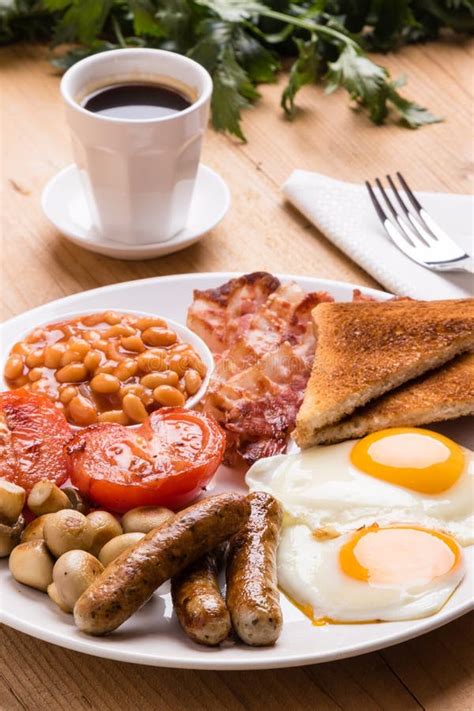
{"x":31,"y":564}
{"x":67,"y":530}
{"x":10,"y":536}
{"x":118,"y":545}
{"x":55,"y":597}
{"x":105,"y":528}
{"x":144,"y":518}
{"x":73,"y":572}
{"x":45,"y":497}
{"x":34,"y":531}
{"x":78,"y":502}
{"x":12,"y":500}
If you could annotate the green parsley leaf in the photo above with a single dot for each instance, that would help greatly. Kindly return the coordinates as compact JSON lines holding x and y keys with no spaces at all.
{"x":233,"y":92}
{"x":393,"y":18}
{"x":260,"y":64}
{"x":233,"y":10}
{"x":411,"y":113}
{"x":367,"y":83}
{"x":83,"y":21}
{"x":214,"y":37}
{"x":361,"y":77}
{"x":177,"y":18}
{"x":64,"y":61}
{"x":304,"y":71}
{"x":145,"y":21}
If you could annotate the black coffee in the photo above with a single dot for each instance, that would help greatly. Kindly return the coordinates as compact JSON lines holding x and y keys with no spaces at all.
{"x":138,"y":100}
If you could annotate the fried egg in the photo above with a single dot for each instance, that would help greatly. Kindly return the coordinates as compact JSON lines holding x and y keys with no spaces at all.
{"x":376,"y":573}
{"x":400,"y":475}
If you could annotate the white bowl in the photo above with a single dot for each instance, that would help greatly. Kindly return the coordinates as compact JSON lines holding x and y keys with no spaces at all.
{"x":185,"y":334}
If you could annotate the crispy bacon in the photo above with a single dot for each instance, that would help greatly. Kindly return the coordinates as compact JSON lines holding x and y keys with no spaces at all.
{"x":261,"y":335}
{"x":357,"y":295}
{"x":301,"y":327}
{"x":269,"y":325}
{"x":221,"y":316}
{"x":258,"y":406}
{"x":251,"y":451}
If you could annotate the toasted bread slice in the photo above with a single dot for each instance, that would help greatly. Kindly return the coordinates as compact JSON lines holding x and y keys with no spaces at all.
{"x":367,"y":349}
{"x":442,"y":394}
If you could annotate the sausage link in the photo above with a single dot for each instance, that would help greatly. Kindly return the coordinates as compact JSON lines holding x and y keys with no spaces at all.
{"x":253,"y":598}
{"x":198,"y":603}
{"x":130,"y":580}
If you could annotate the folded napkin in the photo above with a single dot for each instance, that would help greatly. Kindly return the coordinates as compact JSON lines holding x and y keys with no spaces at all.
{"x":344,"y":213}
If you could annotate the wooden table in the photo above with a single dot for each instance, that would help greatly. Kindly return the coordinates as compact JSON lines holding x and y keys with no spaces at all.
{"x":260,"y":232}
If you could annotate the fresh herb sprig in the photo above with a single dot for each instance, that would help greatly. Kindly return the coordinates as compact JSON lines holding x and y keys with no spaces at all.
{"x":242,"y":42}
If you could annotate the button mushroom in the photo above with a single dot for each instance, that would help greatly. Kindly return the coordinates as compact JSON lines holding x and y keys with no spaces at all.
{"x":105,"y":528}
{"x":68,"y":530}
{"x":31,"y":564}
{"x":55,"y":597}
{"x":78,"y":502}
{"x":144,"y":518}
{"x":45,"y":497}
{"x":73,"y":572}
{"x":12,"y":500}
{"x":34,"y":531}
{"x":118,"y":545}
{"x":10,"y":536}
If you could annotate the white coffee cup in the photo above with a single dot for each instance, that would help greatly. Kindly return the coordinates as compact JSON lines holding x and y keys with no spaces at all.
{"x":138,"y":175}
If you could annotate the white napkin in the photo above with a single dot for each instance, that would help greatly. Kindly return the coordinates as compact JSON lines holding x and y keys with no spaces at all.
{"x":344,"y":213}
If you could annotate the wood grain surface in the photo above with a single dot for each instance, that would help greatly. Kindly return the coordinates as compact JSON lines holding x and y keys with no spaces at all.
{"x":260,"y":232}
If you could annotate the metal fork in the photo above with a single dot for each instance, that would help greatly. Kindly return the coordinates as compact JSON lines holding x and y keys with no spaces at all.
{"x":414,"y":232}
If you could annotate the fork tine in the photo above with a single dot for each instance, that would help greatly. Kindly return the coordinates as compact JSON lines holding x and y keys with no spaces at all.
{"x":432,"y":227}
{"x":378,"y":208}
{"x":406,"y":232}
{"x":420,"y":231}
{"x":385,"y":197}
{"x":394,"y":231}
{"x":427,"y":222}
{"x":409,"y":192}
{"x":397,"y":194}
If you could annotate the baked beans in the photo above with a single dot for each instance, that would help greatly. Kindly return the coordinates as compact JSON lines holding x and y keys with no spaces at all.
{"x":106,"y":367}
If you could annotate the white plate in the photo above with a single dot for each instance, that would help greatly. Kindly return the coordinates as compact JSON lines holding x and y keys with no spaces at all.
{"x":153,"y":635}
{"x":64,"y":205}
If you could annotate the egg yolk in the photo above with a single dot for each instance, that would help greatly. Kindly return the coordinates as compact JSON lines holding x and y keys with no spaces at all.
{"x":417,"y":459}
{"x":398,"y":555}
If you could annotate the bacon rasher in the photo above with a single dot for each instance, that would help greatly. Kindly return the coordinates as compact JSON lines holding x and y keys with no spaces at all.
{"x":261,"y":336}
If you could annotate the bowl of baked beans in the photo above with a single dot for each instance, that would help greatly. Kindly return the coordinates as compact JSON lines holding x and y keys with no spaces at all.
{"x":111,"y":365}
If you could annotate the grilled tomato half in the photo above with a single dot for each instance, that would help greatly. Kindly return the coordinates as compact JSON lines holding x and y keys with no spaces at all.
{"x":33,"y":433}
{"x":166,"y":461}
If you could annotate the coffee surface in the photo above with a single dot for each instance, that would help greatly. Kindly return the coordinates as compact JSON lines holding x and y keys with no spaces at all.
{"x":136,"y":101}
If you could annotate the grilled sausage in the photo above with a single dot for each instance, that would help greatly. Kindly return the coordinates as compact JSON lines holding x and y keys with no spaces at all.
{"x":130,"y":580}
{"x":252,"y":593}
{"x":198,"y":603}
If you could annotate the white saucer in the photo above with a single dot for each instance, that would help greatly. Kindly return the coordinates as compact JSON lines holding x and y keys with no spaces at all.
{"x":64,"y":205}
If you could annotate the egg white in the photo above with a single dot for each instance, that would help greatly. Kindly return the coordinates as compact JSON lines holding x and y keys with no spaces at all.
{"x":320,"y":487}
{"x":310,"y":574}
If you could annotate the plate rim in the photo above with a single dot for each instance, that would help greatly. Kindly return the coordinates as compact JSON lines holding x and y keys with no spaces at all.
{"x":188,"y":276}
{"x":79,"y":644}
{"x":195,"y":660}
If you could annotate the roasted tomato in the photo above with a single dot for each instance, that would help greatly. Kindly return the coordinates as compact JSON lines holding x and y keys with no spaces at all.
{"x":166,"y":461}
{"x":32,"y":437}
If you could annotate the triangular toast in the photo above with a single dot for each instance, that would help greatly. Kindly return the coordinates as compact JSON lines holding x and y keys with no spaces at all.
{"x":366,"y":349}
{"x":442,"y":394}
